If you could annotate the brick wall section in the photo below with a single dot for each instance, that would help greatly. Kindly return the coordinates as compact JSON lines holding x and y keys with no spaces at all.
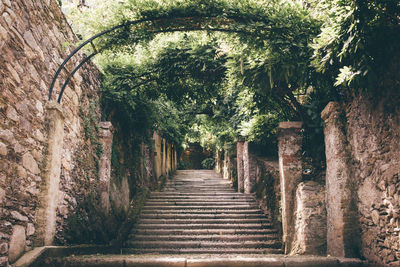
{"x":268,"y":190}
{"x":373,"y":133}
{"x":33,"y":37}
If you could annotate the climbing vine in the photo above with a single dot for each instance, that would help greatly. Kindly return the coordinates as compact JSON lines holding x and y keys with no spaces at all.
{"x":214,"y":71}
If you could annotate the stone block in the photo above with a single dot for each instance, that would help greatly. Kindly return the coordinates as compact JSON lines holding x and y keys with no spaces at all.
{"x":3,"y":248}
{"x":310,"y":224}
{"x":18,"y":216}
{"x":12,"y":114}
{"x":3,"y":149}
{"x":17,"y":243}
{"x":7,"y":136}
{"x":30,"y":229}
{"x":2,"y":195}
{"x":30,"y":163}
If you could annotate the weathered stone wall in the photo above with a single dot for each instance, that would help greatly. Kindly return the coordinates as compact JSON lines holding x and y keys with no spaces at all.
{"x":34,"y":41}
{"x":268,"y":191}
{"x":373,"y":133}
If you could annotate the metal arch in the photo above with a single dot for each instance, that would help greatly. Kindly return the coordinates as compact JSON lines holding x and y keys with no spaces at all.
{"x":90,"y":40}
{"x":72,"y":74}
{"x":76,"y":50}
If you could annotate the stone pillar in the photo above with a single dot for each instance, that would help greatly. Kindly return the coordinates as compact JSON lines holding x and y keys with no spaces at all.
{"x":106,"y":139}
{"x":176,"y":159}
{"x":249,"y":169}
{"x":168,"y":159}
{"x":46,"y":213}
{"x":157,"y":156}
{"x":240,"y":170}
{"x":340,"y":217}
{"x":290,"y":170}
{"x":163,"y":167}
{"x":218,"y":161}
{"x":226,"y":166}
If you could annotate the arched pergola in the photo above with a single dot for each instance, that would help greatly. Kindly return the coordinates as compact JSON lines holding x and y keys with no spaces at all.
{"x":214,"y":18}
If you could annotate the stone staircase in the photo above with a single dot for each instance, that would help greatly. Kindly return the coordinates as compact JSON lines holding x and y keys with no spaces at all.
{"x":198,"y":212}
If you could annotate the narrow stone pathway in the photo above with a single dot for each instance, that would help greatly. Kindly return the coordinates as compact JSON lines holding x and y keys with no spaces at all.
{"x":198,"y":212}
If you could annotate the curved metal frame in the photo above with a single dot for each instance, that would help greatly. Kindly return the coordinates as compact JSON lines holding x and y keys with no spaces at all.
{"x":90,"y":40}
{"x":76,"y":50}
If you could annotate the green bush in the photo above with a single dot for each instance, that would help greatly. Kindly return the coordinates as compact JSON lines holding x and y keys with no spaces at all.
{"x":183,"y":165}
{"x":208,"y":163}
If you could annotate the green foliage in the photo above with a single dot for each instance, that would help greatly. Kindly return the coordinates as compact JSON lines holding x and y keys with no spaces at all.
{"x":359,"y":43}
{"x":90,"y":225}
{"x":208,"y":163}
{"x":214,"y":71}
{"x":183,"y":165}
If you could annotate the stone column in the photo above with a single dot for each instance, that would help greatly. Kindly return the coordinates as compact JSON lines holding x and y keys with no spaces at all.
{"x":218,"y":161}
{"x":157,"y":156}
{"x":106,"y":139}
{"x":163,"y":152}
{"x":290,"y":170}
{"x":226,"y":166}
{"x":250,"y":169}
{"x":341,"y":230}
{"x":46,"y":213}
{"x":240,"y":170}
{"x":176,"y":159}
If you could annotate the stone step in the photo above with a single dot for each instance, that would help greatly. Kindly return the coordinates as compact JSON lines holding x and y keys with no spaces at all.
{"x":200,"y":207}
{"x":200,"y":216}
{"x":204,"y":226}
{"x":199,"y":190}
{"x":215,"y":237}
{"x":202,"y":251}
{"x":196,"y":198}
{"x":202,"y":231}
{"x":201,"y":194}
{"x":201,"y":211}
{"x":210,"y":258}
{"x":203,"y":244}
{"x":195,"y":184}
{"x":199,"y":203}
{"x":225,"y":221}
